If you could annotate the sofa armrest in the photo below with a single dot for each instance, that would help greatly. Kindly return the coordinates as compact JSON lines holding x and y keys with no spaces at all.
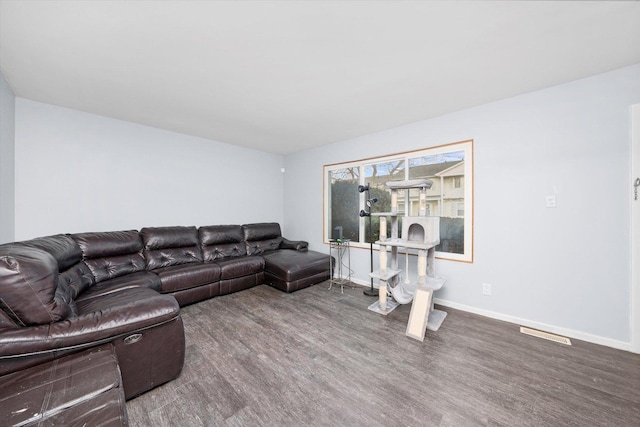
{"x":298,"y":245}
{"x":100,"y":320}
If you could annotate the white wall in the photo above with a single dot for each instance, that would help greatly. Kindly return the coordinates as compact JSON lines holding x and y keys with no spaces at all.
{"x":564,"y":269}
{"x":82,"y":172}
{"x":7,"y":150}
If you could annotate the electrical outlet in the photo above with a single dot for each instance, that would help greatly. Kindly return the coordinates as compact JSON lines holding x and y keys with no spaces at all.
{"x":486,"y":289}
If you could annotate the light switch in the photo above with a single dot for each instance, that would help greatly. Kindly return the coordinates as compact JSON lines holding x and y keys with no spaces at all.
{"x":550,"y":201}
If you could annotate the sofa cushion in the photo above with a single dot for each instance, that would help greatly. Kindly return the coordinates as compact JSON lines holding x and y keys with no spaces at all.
{"x":141,"y":279}
{"x":84,"y":388}
{"x":221,"y":241}
{"x":62,"y":247}
{"x":262,"y":237}
{"x":108,"y":243}
{"x":185,"y":276}
{"x":99,"y":320}
{"x":75,"y":275}
{"x":111,"y":254}
{"x":107,"y":409}
{"x":29,"y":292}
{"x":237,"y":267}
{"x":135,"y":308}
{"x":167,"y":246}
{"x":77,"y":278}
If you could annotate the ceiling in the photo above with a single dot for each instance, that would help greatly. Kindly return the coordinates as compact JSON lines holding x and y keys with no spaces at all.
{"x":284,"y":76}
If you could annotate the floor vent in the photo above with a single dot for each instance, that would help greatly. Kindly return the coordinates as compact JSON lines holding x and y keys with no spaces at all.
{"x":545,"y":335}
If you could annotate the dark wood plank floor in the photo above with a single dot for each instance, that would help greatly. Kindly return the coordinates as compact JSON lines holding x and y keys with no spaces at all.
{"x":318,"y":357}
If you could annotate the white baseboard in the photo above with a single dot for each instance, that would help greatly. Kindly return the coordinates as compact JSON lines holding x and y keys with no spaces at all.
{"x":362,"y":283}
{"x":595,"y":339}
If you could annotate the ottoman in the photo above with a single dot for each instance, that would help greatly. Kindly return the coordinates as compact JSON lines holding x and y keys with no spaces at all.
{"x":290,"y":270}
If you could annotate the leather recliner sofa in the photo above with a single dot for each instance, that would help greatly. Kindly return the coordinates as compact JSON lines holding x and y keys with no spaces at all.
{"x":66,"y":293}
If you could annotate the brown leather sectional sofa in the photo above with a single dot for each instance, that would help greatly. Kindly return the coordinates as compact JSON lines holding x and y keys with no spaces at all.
{"x":63,"y":296}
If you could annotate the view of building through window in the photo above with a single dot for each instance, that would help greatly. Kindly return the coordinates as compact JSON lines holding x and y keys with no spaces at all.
{"x":449,"y":167}
{"x":445,"y":198}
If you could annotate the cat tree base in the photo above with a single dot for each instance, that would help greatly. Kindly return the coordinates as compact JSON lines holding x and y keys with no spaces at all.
{"x":436,"y":317}
{"x":391,"y":305}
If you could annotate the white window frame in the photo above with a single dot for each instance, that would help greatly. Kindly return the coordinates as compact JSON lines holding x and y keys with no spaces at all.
{"x":466,"y":146}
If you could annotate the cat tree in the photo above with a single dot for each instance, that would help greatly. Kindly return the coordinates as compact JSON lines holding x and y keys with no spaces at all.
{"x":421,"y":233}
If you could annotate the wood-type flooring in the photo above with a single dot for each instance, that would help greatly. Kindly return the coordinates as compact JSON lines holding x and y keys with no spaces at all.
{"x":317,"y":357}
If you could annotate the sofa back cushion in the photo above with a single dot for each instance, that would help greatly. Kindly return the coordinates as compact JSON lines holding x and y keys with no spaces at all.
{"x":74,"y":274}
{"x":111,"y":254}
{"x":29,"y":292}
{"x":166,"y":246}
{"x":221,"y":241}
{"x":62,"y":247}
{"x":262,"y":237}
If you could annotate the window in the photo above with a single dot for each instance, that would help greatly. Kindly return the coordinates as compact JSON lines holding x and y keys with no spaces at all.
{"x":343,"y":201}
{"x":449,"y":167}
{"x":457,"y":182}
